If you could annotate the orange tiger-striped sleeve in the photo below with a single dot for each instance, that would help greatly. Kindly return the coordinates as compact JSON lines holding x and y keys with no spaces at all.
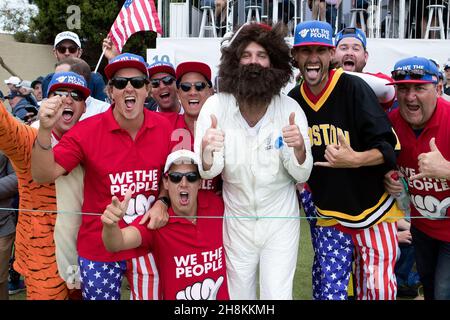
{"x":34,"y":245}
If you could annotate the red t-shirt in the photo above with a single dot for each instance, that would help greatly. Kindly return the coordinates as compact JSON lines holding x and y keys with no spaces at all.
{"x":190,"y":257}
{"x":113,"y":162}
{"x":430,"y":197}
{"x":183,"y":138}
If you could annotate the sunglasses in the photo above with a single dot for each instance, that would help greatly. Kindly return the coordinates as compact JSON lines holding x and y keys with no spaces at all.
{"x":186,"y":86}
{"x":75,"y":95}
{"x":63,"y":49}
{"x":167,"y":80}
{"x":176,"y":177}
{"x":416,"y":74}
{"x":349,"y":30}
{"x":121,"y":82}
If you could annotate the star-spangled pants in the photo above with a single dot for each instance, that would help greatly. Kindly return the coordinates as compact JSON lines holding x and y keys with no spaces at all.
{"x":102,"y":280}
{"x":333,"y":256}
{"x":375,"y":248}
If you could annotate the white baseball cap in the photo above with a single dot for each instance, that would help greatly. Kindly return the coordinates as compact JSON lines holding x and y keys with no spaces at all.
{"x":67,"y":35}
{"x":24,"y":84}
{"x":13,"y":80}
{"x":182,"y":156}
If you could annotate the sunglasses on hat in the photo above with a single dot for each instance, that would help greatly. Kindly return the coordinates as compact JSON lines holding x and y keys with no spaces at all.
{"x":121,"y":82}
{"x":167,"y":80}
{"x":176,"y":177}
{"x":186,"y":86}
{"x":63,"y":49}
{"x":75,"y":95}
{"x":348,"y":30}
{"x":416,"y":74}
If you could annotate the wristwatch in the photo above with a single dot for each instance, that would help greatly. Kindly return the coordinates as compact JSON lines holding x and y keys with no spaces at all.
{"x":165,"y":200}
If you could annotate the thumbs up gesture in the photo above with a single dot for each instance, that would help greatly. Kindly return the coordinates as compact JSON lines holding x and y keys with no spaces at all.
{"x":339,"y":155}
{"x":115,"y":211}
{"x":432,"y":164}
{"x":213,"y":141}
{"x":294,"y":139}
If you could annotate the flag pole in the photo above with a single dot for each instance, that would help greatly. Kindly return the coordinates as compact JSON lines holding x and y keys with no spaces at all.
{"x":99,"y":60}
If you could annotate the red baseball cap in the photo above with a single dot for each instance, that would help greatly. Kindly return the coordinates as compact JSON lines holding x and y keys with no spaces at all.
{"x":193,"y":66}
{"x":161,"y":66}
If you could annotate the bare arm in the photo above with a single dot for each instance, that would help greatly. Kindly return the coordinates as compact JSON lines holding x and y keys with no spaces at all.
{"x":114,"y":238}
{"x":402,"y":224}
{"x":43,"y":166}
{"x":158,"y":213}
{"x":343,"y":156}
{"x":368,"y":158}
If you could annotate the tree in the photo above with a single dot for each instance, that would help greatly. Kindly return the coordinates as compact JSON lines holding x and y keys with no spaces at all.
{"x":15,"y":16}
{"x":95,"y":18}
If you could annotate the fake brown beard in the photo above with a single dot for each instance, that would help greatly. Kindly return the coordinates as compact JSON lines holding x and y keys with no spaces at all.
{"x":252,"y":84}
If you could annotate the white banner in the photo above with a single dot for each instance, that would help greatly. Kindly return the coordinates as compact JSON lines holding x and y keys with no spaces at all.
{"x":383,"y":53}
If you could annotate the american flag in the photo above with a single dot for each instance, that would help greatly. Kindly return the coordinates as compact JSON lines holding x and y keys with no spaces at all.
{"x":135,"y":16}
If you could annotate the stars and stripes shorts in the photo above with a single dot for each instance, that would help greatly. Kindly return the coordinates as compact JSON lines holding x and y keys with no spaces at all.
{"x":375,"y":251}
{"x":143,"y":278}
{"x":101,"y":280}
{"x":333,"y":256}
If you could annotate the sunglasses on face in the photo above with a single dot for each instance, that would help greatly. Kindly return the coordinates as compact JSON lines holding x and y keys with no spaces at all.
{"x":121,"y":82}
{"x":75,"y":95}
{"x":167,"y":80}
{"x":416,"y":74}
{"x":186,"y":86}
{"x":176,"y":177}
{"x":63,"y":49}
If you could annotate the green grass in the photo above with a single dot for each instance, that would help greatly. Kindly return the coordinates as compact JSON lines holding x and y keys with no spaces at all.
{"x":302,"y":280}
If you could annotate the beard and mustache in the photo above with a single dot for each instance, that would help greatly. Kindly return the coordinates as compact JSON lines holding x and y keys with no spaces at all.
{"x":253,"y":84}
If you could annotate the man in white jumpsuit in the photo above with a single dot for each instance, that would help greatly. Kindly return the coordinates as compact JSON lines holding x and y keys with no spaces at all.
{"x":257,"y":138}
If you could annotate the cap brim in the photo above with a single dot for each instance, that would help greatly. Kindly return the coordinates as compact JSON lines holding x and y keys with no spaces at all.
{"x":193,"y":66}
{"x":318,"y":44}
{"x":410,"y":81}
{"x":85,"y":91}
{"x":112,"y":68}
{"x":161,"y":69}
{"x":180,"y":160}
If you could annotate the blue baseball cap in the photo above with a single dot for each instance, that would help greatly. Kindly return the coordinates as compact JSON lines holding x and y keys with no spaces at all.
{"x":13,"y":94}
{"x":351,"y":32}
{"x":125,"y":60}
{"x":68,"y":80}
{"x":161,"y":66}
{"x":313,"y":33}
{"x":415,"y":70}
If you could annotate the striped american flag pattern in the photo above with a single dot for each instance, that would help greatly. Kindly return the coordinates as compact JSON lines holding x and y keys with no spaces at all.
{"x":135,"y":16}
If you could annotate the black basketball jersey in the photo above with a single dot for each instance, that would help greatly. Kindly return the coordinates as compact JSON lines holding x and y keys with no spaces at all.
{"x":354,"y":196}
